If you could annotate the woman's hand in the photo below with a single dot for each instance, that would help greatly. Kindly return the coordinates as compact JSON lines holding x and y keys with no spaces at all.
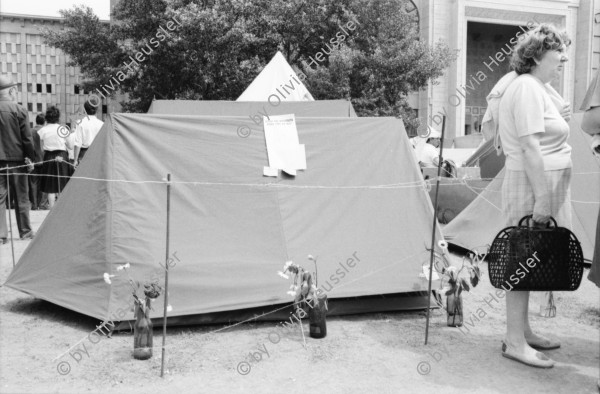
{"x":566,"y":112}
{"x":541,"y":210}
{"x":29,"y":163}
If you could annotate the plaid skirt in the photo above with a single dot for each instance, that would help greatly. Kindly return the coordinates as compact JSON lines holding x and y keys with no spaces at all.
{"x":518,"y":198}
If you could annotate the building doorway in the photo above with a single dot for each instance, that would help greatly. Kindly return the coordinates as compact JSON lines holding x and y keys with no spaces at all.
{"x":484,"y":67}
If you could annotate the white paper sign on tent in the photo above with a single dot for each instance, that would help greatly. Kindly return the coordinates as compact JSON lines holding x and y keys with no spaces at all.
{"x":268,"y":171}
{"x":283,"y":147}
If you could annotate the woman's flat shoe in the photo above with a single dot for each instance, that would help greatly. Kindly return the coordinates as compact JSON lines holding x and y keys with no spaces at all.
{"x":539,"y":361}
{"x":544,"y":344}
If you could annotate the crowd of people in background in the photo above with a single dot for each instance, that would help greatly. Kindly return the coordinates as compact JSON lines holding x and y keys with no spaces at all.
{"x":50,"y":156}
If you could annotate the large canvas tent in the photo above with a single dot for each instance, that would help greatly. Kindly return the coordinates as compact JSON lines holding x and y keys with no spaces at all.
{"x":454,"y":195}
{"x":253,"y":109}
{"x":486,"y":158}
{"x":360,"y":198}
{"x":479,"y":223}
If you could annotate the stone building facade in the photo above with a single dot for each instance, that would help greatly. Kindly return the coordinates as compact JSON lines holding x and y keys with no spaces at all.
{"x":42,"y":72}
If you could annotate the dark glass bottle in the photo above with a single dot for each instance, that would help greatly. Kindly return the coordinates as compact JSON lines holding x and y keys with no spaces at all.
{"x":317,"y":312}
{"x":142,"y":332}
{"x":454,"y":309}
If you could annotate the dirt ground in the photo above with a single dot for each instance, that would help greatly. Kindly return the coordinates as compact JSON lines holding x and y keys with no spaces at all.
{"x":373,"y":353}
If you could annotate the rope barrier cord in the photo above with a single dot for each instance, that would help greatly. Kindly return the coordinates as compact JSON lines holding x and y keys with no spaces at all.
{"x":35,"y":164}
{"x":413,"y":184}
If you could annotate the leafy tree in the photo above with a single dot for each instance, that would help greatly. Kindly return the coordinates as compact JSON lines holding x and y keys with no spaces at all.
{"x":223,"y":44}
{"x":381,"y":64}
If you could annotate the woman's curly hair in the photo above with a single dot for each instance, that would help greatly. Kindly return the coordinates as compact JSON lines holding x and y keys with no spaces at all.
{"x":533,"y":44}
{"x":52,"y":115}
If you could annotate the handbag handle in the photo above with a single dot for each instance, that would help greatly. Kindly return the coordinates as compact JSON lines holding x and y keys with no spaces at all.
{"x":527,"y":217}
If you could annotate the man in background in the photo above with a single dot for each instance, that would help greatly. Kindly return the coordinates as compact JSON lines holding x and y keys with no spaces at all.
{"x":16,"y":149}
{"x":86,"y":131}
{"x":35,"y":192}
{"x":429,"y":154}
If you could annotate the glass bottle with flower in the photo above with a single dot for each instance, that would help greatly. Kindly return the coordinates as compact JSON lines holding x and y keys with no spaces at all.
{"x":304,"y":291}
{"x":456,"y":284}
{"x":143,"y":327}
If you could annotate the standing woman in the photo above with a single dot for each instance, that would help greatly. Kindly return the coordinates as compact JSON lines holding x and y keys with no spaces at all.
{"x":56,"y":168}
{"x":591,"y":125}
{"x":534,"y":132}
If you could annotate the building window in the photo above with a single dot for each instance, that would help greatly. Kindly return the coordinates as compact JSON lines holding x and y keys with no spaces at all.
{"x":30,"y":107}
{"x":8,"y":47}
{"x":38,"y":68}
{"x":18,"y":48}
{"x":9,"y":67}
{"x":48,"y":88}
{"x":38,"y":87}
{"x":29,"y":87}
{"x":39,"y":107}
{"x":29,"y":49}
{"x":76,"y":88}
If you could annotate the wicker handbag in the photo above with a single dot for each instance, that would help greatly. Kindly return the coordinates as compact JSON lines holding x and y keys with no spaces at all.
{"x":533,"y":258}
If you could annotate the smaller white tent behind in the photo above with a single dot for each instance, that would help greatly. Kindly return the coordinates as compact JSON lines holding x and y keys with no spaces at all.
{"x":278,"y":79}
